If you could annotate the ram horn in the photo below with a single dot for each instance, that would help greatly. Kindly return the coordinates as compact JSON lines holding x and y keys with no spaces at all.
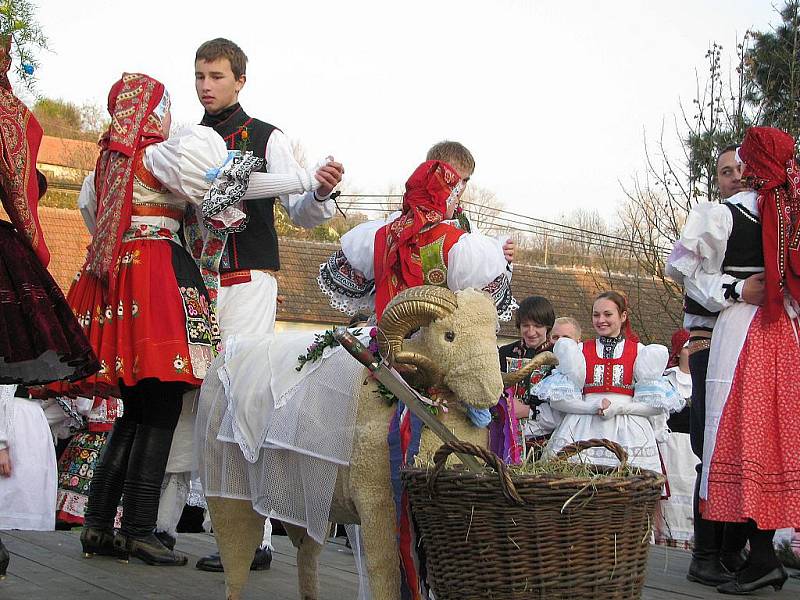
{"x":411,"y":309}
{"x":544,"y":358}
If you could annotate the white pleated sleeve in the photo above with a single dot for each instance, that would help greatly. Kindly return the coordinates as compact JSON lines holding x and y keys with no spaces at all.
{"x":358,"y":244}
{"x":304,"y":209}
{"x":653,"y":394}
{"x":696,"y":258}
{"x":474,"y":261}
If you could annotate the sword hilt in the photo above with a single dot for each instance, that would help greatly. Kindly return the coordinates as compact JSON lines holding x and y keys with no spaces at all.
{"x":360,"y":352}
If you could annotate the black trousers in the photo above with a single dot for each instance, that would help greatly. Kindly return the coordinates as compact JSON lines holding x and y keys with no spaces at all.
{"x":710,"y":537}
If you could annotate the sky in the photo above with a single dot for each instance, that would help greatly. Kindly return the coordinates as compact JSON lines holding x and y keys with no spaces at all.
{"x":553,"y":98}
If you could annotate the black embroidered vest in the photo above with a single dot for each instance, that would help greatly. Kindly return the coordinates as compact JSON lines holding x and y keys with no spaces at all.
{"x":744,"y":254}
{"x":257,"y":246}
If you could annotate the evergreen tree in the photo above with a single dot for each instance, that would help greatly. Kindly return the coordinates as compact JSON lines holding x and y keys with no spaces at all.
{"x":773,"y":68}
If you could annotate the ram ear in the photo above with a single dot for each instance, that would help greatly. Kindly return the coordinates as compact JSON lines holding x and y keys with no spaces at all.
{"x":540,"y":360}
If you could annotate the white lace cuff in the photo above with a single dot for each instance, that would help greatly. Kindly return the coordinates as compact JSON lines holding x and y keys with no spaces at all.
{"x":348,"y":289}
{"x":223,"y":204}
{"x":557,"y":387}
{"x":658,"y":393}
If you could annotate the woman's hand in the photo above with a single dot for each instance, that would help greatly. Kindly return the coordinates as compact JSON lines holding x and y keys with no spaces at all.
{"x":604,"y":404}
{"x":5,"y":463}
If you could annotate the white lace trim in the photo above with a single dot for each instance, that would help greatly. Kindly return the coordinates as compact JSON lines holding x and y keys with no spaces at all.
{"x":556,"y":387}
{"x":345,"y":304}
{"x":658,"y":393}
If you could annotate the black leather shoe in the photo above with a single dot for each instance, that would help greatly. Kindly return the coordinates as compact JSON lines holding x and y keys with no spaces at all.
{"x":262,"y":559}
{"x":710,"y":573}
{"x":775,"y":577}
{"x":4,"y":558}
{"x":149,"y":549}
{"x":210,"y":563}
{"x":166,"y":539}
{"x":97,"y":541}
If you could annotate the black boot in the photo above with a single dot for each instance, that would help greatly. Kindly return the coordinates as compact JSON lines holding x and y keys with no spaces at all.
{"x":105,"y":490}
{"x":142,"y":490}
{"x":4,"y":558}
{"x":705,"y":567}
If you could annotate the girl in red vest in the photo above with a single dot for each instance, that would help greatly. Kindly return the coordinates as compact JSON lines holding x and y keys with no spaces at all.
{"x":610,"y":387}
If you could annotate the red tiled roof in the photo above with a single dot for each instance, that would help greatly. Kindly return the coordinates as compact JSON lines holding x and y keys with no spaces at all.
{"x":67,"y":238}
{"x":570,"y":290}
{"x":76,"y":154}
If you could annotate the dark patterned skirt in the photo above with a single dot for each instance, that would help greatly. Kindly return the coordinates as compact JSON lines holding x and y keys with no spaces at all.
{"x":40,"y":340}
{"x":156,"y":323}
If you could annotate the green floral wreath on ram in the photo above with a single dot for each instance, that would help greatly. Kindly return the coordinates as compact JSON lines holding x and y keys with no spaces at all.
{"x":434,"y":395}
{"x":326,"y":340}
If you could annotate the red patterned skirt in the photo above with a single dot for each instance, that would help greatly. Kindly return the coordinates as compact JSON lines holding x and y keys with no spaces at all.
{"x":755,"y":468}
{"x":157,"y":323}
{"x":40,"y":340}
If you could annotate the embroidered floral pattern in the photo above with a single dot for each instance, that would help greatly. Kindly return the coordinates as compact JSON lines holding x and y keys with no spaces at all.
{"x":180,"y":363}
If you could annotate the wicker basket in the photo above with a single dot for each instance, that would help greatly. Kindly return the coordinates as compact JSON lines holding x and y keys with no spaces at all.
{"x":506,"y":536}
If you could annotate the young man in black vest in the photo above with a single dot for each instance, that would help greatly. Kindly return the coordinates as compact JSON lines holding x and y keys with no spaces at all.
{"x":717,"y":551}
{"x":248,"y":290}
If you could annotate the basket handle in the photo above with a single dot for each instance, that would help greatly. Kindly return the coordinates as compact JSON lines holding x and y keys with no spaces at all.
{"x":613,"y":447}
{"x":489,"y":457}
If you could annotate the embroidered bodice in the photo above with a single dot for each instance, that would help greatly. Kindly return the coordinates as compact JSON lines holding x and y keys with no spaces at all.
{"x":609,"y":375}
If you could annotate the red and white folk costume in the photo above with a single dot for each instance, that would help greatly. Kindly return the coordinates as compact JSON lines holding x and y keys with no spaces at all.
{"x":139,"y":297}
{"x":415,"y":247}
{"x":751,"y":467}
{"x":629,"y":375}
{"x":142,"y":299}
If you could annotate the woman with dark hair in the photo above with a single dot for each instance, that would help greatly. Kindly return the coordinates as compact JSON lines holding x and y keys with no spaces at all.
{"x":610,"y":387}
{"x":535,"y":318}
{"x":513,"y":420}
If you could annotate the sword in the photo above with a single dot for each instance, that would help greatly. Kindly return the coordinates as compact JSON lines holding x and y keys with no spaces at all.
{"x":401,"y":390}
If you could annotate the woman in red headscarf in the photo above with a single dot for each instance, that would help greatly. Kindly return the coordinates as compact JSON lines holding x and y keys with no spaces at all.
{"x":423,"y":244}
{"x":751,"y":466}
{"x":142,"y":300}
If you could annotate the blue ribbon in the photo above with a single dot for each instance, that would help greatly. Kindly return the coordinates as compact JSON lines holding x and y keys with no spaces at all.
{"x":212,"y":174}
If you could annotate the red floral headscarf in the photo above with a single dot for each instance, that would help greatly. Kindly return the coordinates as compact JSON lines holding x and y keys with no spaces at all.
{"x":22,"y":185}
{"x":131,"y":104}
{"x":396,"y":258}
{"x":768,"y":154}
{"x":679,"y":339}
